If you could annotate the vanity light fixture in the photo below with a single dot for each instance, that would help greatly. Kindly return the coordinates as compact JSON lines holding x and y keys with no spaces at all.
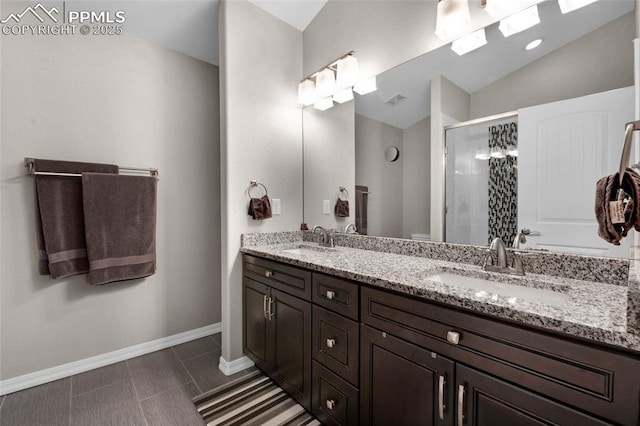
{"x":345,"y":95}
{"x":567,"y":6}
{"x":533,"y":44}
{"x":520,"y":21}
{"x":500,"y":8}
{"x":452,"y":18}
{"x":469,"y":42}
{"x":306,"y":92}
{"x":325,"y":83}
{"x":366,"y":86}
{"x":323,"y":104}
{"x":347,"y":71}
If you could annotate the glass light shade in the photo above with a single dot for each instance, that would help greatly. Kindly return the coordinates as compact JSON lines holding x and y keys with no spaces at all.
{"x":452,"y":19}
{"x":520,"y":21}
{"x":306,"y":92}
{"x":501,"y":8}
{"x":325,"y":83}
{"x":366,"y":86}
{"x":323,"y":104}
{"x":469,"y":42}
{"x":347,"y":72}
{"x":567,"y":6}
{"x":343,"y":96}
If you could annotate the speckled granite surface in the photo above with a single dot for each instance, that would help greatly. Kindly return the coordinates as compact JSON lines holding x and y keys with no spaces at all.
{"x":587,"y":309}
{"x":633,"y":300}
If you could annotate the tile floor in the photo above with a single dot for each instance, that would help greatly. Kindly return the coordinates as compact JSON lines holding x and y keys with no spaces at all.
{"x":153,"y":389}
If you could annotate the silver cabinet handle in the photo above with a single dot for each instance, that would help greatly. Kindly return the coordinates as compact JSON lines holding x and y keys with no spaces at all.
{"x":331,"y":294}
{"x":460,"y":405}
{"x":331,"y":343}
{"x":441,"y":405}
{"x":269,"y":311}
{"x":330,"y":404}
{"x":264,"y":306}
{"x":268,"y":273}
{"x":453,"y":337}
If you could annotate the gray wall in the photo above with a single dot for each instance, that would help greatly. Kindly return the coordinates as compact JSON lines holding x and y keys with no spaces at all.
{"x":599,"y":61}
{"x":261,"y":123}
{"x":416,"y":179}
{"x":116,"y":100}
{"x":329,"y":156}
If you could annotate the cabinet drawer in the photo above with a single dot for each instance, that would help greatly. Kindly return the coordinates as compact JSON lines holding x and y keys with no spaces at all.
{"x":289,"y":279}
{"x":334,"y":401}
{"x":336,"y":343}
{"x":593,"y":379}
{"x":335,"y":294}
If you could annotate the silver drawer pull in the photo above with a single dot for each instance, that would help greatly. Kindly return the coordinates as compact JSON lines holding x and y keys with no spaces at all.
{"x":330,"y":404}
{"x":331,"y":343}
{"x":460,"y":405}
{"x":331,"y":294}
{"x":441,"y":404}
{"x":268,"y":274}
{"x":453,"y":337}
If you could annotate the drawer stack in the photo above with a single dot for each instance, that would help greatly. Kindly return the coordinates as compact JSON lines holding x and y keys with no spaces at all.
{"x":335,"y":350}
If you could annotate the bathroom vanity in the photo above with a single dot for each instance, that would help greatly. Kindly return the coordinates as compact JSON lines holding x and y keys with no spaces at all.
{"x":367,"y":337}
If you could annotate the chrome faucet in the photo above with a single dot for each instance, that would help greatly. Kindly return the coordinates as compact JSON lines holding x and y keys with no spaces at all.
{"x":350,"y":229}
{"x":501,"y":262}
{"x":327,"y":240}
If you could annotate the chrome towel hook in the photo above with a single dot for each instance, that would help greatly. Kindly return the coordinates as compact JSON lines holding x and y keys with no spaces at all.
{"x":341,"y":190}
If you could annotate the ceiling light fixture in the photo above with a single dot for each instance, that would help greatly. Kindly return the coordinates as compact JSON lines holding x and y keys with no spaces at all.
{"x":520,"y":21}
{"x":500,"y":8}
{"x":347,"y":71}
{"x":366,"y":86}
{"x":533,"y":44}
{"x":567,"y":6}
{"x":469,"y":42}
{"x":452,"y":18}
{"x":345,"y":95}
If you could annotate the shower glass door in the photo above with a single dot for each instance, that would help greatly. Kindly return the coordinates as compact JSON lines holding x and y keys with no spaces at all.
{"x":481,"y":181}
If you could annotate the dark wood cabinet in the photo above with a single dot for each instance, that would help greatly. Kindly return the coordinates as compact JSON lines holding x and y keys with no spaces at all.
{"x":483,"y":400}
{"x":277,"y":327}
{"x":403,"y":384}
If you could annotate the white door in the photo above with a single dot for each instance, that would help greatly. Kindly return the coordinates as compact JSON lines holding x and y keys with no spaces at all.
{"x":563,"y":149}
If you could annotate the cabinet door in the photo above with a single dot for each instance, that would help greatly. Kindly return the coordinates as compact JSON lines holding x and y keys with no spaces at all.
{"x":291,"y":328}
{"x":256,"y":342}
{"x":403,"y":384}
{"x":483,"y":400}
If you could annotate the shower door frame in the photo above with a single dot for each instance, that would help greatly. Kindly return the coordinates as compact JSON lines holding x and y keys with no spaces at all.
{"x":445,"y":129}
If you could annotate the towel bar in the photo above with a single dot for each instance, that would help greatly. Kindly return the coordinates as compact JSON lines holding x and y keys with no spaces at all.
{"x":29,"y":163}
{"x":254,"y":184}
{"x":626,"y":148}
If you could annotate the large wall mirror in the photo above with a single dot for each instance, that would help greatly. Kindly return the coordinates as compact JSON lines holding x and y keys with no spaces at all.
{"x":528,"y":133}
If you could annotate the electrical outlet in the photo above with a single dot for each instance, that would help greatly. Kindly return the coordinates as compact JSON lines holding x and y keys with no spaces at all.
{"x":275,"y":206}
{"x":326,"y":206}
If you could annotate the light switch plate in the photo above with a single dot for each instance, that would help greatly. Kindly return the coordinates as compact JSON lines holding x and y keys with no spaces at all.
{"x":326,"y":206}
{"x":275,"y":206}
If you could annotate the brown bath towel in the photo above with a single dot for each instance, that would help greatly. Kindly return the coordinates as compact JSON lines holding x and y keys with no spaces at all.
{"x":60,"y":219}
{"x":341,"y":208}
{"x":120,"y":223}
{"x":606,"y":191}
{"x":260,"y":208}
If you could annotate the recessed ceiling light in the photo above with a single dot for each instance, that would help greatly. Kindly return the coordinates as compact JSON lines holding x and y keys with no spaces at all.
{"x":533,"y":44}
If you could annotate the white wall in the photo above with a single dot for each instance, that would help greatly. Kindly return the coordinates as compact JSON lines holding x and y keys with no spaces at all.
{"x":329,"y":156}
{"x":383,"y":178}
{"x":416,"y":178}
{"x":115,"y":100}
{"x":599,"y":61}
{"x":261,"y":123}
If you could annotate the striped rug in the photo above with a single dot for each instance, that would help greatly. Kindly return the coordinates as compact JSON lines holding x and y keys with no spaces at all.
{"x":251,"y":400}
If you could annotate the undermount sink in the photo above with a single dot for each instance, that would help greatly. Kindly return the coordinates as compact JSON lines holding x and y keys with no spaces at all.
{"x":309,"y":250}
{"x":491,"y":289}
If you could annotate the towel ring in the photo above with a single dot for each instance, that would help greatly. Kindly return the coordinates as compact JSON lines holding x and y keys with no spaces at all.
{"x":626,"y":149}
{"x":342,"y":189}
{"x":255,"y":184}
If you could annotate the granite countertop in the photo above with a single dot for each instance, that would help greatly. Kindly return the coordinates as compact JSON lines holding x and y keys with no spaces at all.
{"x":586,"y":309}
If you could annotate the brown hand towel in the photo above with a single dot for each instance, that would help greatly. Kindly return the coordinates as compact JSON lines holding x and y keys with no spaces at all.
{"x":607,"y":189}
{"x":260,"y":208}
{"x":60,"y":219}
{"x":341,"y":208}
{"x":120,"y":222}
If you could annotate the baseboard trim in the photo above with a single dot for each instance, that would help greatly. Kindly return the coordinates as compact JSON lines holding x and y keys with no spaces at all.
{"x":65,"y":370}
{"x":235,"y":366}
